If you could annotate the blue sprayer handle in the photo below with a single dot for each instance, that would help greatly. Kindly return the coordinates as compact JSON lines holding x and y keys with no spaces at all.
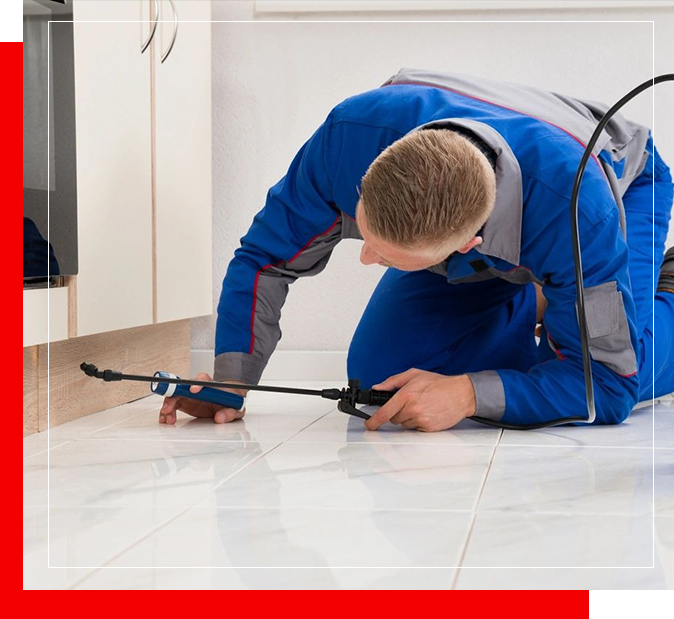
{"x":207,"y":394}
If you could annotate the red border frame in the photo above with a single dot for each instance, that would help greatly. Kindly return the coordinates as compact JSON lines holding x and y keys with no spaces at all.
{"x":11,"y":172}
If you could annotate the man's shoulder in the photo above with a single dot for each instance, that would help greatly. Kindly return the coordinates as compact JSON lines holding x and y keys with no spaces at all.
{"x":393,"y":108}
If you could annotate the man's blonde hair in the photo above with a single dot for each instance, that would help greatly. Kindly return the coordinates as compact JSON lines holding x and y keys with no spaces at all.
{"x":431,"y":188}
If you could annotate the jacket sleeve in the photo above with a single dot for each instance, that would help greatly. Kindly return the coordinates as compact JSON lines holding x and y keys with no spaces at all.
{"x":555,"y":388}
{"x":291,"y":237}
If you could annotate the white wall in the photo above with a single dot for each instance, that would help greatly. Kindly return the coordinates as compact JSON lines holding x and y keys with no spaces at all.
{"x":275,"y":82}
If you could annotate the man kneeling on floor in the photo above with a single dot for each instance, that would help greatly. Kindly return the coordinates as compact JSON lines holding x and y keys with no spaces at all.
{"x":461,"y":187}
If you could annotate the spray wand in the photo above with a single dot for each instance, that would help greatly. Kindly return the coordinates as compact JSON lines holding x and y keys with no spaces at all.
{"x":170,"y":385}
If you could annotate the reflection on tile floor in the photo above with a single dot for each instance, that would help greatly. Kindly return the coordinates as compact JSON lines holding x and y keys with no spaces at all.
{"x":299,"y":537}
{"x":299,"y":495}
{"x":543,"y":539}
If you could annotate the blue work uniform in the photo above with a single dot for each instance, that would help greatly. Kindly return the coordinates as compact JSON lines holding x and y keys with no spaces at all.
{"x":475,"y":313}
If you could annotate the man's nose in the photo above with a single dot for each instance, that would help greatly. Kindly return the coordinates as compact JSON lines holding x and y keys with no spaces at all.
{"x":368,"y":255}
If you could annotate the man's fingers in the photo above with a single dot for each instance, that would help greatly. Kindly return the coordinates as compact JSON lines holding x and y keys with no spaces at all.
{"x":200,"y":376}
{"x":169,"y":410}
{"x":393,"y":406}
{"x":397,"y":380}
{"x":410,"y":424}
{"x":228,"y":414}
{"x":401,"y":416}
{"x":172,"y":415}
{"x":167,"y":407}
{"x":168,"y":413}
{"x":221,"y":416}
{"x":225,"y":415}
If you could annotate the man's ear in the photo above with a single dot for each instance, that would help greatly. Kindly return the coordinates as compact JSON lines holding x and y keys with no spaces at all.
{"x":474,"y":242}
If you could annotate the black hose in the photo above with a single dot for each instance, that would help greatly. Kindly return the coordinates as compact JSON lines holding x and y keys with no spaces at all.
{"x":578,"y":267}
{"x":577,"y":258}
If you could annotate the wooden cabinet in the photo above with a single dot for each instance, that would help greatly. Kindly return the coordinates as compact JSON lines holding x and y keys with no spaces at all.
{"x":114,"y":165}
{"x":144,"y":162}
{"x":183,"y":208}
{"x":143,"y":139}
{"x":144,"y":207}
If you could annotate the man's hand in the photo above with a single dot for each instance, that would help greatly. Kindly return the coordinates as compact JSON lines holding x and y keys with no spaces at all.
{"x":168,"y":411}
{"x":426,"y":401}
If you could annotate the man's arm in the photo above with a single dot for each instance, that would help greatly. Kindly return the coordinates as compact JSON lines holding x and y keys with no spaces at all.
{"x":555,"y":389}
{"x":291,"y":237}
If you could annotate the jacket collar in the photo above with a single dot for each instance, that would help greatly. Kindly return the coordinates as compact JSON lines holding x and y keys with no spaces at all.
{"x":501,"y":234}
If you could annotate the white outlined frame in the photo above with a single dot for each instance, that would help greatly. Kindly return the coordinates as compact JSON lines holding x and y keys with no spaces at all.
{"x":459,"y":567}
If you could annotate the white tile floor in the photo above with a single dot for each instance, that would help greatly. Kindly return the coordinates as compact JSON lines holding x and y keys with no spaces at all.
{"x":298,"y":485}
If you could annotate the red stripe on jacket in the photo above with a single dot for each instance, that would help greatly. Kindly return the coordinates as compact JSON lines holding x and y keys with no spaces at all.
{"x":267,"y":266}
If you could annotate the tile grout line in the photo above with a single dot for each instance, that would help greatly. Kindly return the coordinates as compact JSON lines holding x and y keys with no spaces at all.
{"x":184,"y":511}
{"x":169,"y":520}
{"x":455,"y":580}
{"x":70,"y":439}
{"x":181,"y":440}
{"x":115,"y":423}
{"x":37,"y":453}
{"x":332,"y":410}
{"x":90,"y":435}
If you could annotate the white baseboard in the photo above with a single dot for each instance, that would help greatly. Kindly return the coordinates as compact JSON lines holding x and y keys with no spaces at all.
{"x":287,"y":364}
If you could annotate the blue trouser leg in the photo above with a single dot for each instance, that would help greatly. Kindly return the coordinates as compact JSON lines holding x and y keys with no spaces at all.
{"x":416,"y":319}
{"x":656,"y":372}
{"x":648,"y":216}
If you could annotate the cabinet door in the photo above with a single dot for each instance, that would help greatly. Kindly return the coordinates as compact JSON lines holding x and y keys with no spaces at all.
{"x":45,"y":315}
{"x":183,"y":161}
{"x":114,"y":165}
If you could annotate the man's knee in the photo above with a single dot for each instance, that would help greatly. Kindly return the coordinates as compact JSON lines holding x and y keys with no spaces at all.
{"x":359,"y":367}
{"x":365,"y":363}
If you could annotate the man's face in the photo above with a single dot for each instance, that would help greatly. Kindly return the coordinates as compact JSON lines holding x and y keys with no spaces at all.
{"x":378,"y":251}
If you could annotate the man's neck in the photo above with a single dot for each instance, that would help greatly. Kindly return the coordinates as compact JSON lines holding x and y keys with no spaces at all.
{"x":480,"y":144}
